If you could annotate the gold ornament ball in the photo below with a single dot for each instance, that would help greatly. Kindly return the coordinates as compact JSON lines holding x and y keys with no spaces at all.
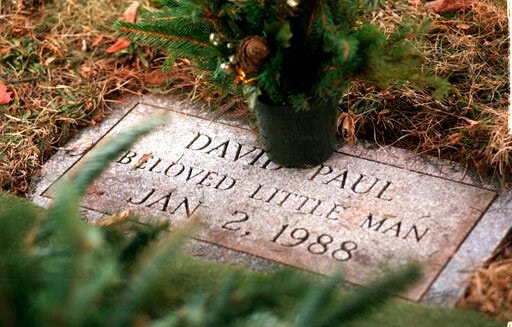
{"x":292,"y":3}
{"x":226,"y":68}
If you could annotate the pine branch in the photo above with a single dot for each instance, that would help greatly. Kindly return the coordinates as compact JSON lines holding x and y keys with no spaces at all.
{"x":311,"y":21}
{"x":311,"y":307}
{"x":300,"y":101}
{"x":87,"y":293}
{"x":327,"y":23}
{"x":134,"y":31}
{"x":170,"y":3}
{"x":168,"y":64}
{"x":372,"y":296}
{"x":219,"y":309}
{"x":210,"y":16}
{"x":164,"y":18}
{"x":144,"y":279}
{"x":269,"y":80}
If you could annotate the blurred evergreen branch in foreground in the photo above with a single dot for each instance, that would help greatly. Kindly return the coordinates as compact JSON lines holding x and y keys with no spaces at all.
{"x":59,"y":271}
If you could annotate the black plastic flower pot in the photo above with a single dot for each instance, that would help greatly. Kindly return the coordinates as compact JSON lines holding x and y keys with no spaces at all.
{"x":297,"y":138}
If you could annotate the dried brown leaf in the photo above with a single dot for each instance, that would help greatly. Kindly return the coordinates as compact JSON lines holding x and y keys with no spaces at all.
{"x":156,"y":77}
{"x":441,"y":6}
{"x":347,"y":123}
{"x":5,"y":97}
{"x":454,"y":138}
{"x":121,"y":43}
{"x":384,"y":112}
{"x":130,"y":14}
{"x":463,"y":26}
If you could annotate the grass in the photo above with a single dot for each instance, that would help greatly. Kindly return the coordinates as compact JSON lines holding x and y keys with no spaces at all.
{"x":470,"y":125}
{"x":490,"y":286}
{"x":53,"y":56}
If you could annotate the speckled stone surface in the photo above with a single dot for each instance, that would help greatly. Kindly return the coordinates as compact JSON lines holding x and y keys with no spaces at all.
{"x":364,"y":210}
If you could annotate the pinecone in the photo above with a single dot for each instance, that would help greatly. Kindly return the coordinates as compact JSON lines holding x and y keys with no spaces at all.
{"x":251,"y":53}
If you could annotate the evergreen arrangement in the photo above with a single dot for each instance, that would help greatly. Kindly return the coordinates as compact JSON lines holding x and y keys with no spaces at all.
{"x":60,"y":271}
{"x":291,"y":52}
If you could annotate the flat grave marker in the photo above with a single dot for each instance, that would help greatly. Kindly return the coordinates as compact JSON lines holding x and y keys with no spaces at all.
{"x":362,"y":210}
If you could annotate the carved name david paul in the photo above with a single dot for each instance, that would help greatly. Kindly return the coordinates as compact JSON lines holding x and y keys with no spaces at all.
{"x":176,"y":169}
{"x":232,"y":151}
{"x":354,"y":182}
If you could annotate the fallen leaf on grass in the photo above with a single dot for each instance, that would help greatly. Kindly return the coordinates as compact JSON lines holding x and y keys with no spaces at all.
{"x":86,"y":71}
{"x":5,"y":50}
{"x":97,"y":118}
{"x":347,"y":123}
{"x":121,"y":43}
{"x":441,"y":6}
{"x":384,"y":112}
{"x":463,"y":26}
{"x":5,"y":97}
{"x":130,"y":15}
{"x":48,"y":61}
{"x":493,"y":57}
{"x":454,"y":138}
{"x":156,"y":77}
{"x":470,"y":122}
